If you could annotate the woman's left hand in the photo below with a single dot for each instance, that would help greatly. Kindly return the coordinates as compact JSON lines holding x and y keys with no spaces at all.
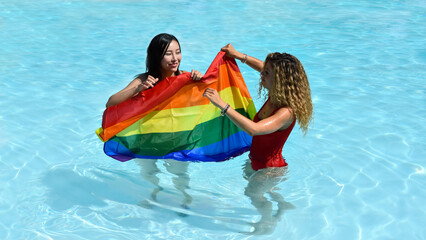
{"x":196,"y":75}
{"x":214,"y":97}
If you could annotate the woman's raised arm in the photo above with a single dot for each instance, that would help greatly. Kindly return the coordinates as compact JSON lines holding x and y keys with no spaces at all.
{"x":139,"y":84}
{"x":253,"y":62}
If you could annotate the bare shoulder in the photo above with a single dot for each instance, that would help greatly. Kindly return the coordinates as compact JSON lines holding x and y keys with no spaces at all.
{"x":136,"y":81}
{"x":285,"y":111}
{"x":141,"y":77}
{"x":286,"y":115}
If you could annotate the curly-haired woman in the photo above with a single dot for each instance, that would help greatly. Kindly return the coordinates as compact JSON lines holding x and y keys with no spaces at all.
{"x":289,"y":99}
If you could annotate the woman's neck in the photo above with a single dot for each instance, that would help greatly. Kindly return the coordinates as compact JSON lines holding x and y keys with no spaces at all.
{"x":167,"y":74}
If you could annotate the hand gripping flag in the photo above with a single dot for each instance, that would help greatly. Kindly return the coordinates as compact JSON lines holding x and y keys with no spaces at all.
{"x":174,"y":121}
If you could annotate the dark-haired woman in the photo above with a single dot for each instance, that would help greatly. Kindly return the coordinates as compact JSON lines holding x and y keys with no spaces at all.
{"x":162,"y":61}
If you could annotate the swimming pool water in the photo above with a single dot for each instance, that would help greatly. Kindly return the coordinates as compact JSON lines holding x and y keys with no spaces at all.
{"x":357,"y":174}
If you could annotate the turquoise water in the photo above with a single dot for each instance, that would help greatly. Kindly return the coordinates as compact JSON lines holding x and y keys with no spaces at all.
{"x":358,"y":174}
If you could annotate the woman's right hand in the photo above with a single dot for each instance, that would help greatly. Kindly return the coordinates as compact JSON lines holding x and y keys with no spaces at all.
{"x":231,"y":52}
{"x":148,"y":83}
{"x":214,"y":97}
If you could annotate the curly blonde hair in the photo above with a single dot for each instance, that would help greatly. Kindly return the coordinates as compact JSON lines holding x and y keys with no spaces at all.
{"x":290,"y":87}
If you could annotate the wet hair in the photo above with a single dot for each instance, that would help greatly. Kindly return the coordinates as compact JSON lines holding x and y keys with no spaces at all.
{"x":155,"y":53}
{"x":290,"y":87}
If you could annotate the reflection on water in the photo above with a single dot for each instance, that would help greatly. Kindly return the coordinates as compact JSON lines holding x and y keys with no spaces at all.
{"x":261,"y":189}
{"x":261,"y":183}
{"x":149,"y":171}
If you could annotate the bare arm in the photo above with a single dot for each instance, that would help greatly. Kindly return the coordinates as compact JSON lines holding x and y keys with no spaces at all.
{"x":253,"y":62}
{"x":140,"y":84}
{"x":279,"y":121}
{"x":137,"y":85}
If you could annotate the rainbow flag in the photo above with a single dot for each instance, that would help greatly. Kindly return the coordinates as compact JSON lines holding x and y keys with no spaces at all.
{"x":174,"y":121}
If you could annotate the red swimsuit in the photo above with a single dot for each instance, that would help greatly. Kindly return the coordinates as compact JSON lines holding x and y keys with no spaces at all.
{"x":266,"y":150}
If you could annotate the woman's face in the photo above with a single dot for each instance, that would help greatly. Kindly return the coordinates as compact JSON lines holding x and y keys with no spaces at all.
{"x":171,"y":59}
{"x":267,"y":77}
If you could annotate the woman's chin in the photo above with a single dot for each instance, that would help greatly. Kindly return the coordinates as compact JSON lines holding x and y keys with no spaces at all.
{"x":173,"y":69}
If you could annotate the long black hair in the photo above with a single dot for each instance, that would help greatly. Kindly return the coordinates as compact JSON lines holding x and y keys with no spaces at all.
{"x":155,"y":53}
